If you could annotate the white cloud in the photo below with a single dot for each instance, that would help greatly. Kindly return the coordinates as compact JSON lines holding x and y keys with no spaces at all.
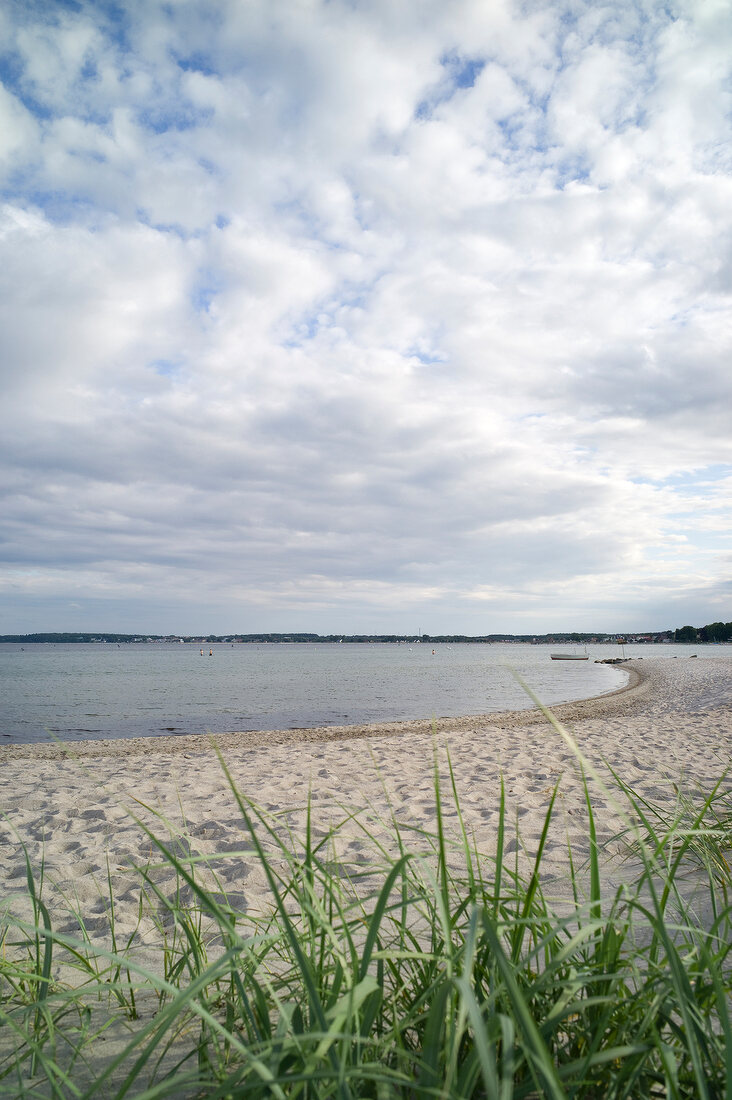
{"x":83,"y":307}
{"x":18,"y":130}
{"x":367,"y":313}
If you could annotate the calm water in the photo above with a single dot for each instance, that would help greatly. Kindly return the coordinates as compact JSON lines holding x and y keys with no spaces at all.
{"x":75,"y":692}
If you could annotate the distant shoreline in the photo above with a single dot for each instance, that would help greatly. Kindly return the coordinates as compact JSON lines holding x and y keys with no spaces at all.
{"x":662,"y":637}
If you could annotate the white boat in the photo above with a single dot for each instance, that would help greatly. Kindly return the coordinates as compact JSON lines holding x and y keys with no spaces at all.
{"x":570,"y":656}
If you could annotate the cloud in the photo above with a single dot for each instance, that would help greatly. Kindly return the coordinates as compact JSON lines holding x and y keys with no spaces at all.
{"x":365,"y":315}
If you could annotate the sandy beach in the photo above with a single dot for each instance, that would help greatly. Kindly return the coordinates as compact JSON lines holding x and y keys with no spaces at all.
{"x":75,"y":807}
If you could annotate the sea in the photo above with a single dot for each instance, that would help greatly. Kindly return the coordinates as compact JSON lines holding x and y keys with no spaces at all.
{"x":72,"y":692}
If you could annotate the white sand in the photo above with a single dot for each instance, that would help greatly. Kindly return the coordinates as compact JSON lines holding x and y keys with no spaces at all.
{"x":674,"y":721}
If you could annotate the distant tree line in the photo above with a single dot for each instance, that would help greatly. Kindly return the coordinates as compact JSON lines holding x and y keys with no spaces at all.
{"x":77,"y":636}
{"x":85,"y":636}
{"x":712,"y":632}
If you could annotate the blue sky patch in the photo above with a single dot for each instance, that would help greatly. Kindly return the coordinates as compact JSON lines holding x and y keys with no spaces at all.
{"x":196,"y":63}
{"x":463,"y":71}
{"x":167,"y":368}
{"x":460,"y":73}
{"x":427,"y":358}
{"x":209,"y":284}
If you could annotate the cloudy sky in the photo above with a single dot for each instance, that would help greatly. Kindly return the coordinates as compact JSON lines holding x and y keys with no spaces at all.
{"x":365,"y":315}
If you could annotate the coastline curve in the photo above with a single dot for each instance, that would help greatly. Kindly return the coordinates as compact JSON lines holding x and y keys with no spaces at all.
{"x":622,"y":700}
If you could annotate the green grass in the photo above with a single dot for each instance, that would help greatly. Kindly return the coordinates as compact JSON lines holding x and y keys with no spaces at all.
{"x":429,"y":970}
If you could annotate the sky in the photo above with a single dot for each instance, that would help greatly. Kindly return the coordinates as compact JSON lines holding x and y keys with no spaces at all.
{"x":368,"y":316}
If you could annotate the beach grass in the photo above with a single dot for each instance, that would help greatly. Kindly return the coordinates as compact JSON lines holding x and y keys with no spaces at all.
{"x":426,"y":968}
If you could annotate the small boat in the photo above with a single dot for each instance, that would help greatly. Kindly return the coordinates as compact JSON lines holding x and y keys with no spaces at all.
{"x":570,"y":656}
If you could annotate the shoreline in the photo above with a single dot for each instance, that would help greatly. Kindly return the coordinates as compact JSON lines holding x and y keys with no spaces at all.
{"x":593,"y":706}
{"x":82,"y":825}
{"x":82,"y":815}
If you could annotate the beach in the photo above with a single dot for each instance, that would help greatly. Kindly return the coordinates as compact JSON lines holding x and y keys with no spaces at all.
{"x":79,"y":809}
